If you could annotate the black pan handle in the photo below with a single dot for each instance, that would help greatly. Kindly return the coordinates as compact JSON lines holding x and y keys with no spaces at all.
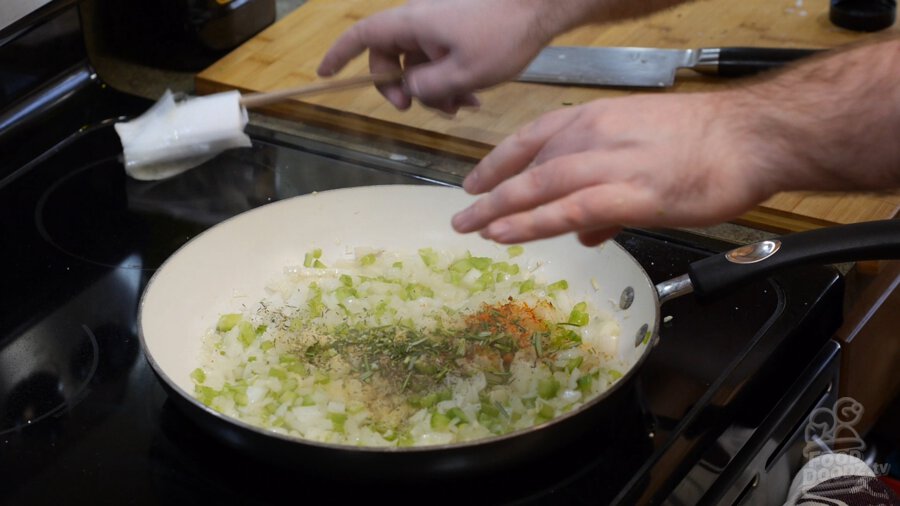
{"x":746,"y":61}
{"x":873,"y":240}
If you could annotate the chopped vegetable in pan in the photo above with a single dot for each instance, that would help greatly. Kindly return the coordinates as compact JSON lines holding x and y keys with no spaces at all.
{"x":388,"y":349}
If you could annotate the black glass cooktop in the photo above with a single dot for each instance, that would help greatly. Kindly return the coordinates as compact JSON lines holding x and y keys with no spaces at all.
{"x":83,"y":419}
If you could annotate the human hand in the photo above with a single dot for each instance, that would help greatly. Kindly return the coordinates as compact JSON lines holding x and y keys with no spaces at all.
{"x":446,"y":49}
{"x":644,"y":160}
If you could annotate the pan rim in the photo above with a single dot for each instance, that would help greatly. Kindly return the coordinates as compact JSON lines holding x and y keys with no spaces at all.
{"x":649,"y":344}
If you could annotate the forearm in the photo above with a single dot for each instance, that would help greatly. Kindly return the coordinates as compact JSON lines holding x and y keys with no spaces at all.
{"x":832,"y":123}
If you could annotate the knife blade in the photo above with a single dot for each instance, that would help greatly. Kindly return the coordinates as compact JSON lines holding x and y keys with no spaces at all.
{"x":650,"y":67}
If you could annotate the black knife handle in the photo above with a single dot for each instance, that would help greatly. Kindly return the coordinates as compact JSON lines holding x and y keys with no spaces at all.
{"x":746,"y":61}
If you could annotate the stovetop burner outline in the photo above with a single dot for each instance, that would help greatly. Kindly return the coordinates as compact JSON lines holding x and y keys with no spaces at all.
{"x":25,"y":403}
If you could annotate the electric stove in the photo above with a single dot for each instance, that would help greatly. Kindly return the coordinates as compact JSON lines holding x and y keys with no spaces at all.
{"x":721,"y":401}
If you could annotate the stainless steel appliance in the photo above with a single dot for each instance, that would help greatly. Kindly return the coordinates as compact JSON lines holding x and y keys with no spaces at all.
{"x":724,"y":400}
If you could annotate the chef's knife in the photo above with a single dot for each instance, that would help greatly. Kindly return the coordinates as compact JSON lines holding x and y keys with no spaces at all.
{"x":650,"y":67}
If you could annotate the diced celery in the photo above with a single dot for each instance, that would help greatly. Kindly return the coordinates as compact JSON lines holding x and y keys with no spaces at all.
{"x":337,"y":421}
{"x":429,"y":257}
{"x":321,"y":378}
{"x":299,"y":369}
{"x":514,"y":251}
{"x":319,"y":265}
{"x":439,"y":421}
{"x":287,"y":397}
{"x":397,"y":265}
{"x":579,"y":315}
{"x":546,"y":411}
{"x":346,"y":280}
{"x":313,"y":302}
{"x":559,"y":285}
{"x":368,"y":259}
{"x":614,"y":374}
{"x":198,"y":375}
{"x":206,"y":394}
{"x":489,"y":409}
{"x":548,"y":387}
{"x":308,"y":260}
{"x":227,"y":322}
{"x":573,"y":364}
{"x":343,"y":293}
{"x":247,"y":333}
{"x":415,"y":291}
{"x":461,"y":266}
{"x":427,"y":401}
{"x":485,"y":281}
{"x":584,"y":384}
{"x":480,"y":263}
{"x":405,"y":439}
{"x":456,"y":413}
{"x":526,"y":286}
{"x":506,"y":268}
{"x":277,"y":373}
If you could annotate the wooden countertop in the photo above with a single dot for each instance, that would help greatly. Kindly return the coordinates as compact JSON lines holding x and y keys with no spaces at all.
{"x":287,"y":53}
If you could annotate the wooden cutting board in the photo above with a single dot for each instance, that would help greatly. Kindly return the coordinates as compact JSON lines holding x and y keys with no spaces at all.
{"x":288,"y":52}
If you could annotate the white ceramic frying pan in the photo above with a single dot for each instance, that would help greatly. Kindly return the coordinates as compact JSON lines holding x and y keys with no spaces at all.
{"x":230,"y":264}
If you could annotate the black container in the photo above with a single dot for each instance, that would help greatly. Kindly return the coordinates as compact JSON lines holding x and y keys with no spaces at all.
{"x":180,"y":34}
{"x":863,"y":15}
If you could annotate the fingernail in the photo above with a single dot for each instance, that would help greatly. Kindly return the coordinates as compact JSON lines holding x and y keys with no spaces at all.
{"x":470,"y":182}
{"x":462,"y":221}
{"x":499,"y":231}
{"x":409,"y":87}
